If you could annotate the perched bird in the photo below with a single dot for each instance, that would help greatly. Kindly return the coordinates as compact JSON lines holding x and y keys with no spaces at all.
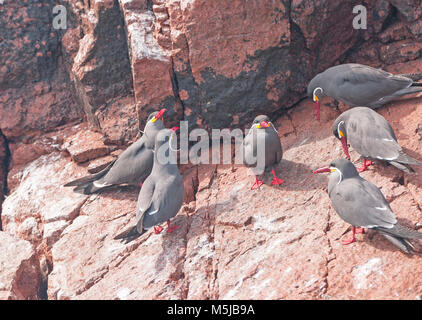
{"x":359,"y":85}
{"x":361,"y":203}
{"x":162,"y":193}
{"x":372,"y":137}
{"x":131,"y":167}
{"x":262,"y":134}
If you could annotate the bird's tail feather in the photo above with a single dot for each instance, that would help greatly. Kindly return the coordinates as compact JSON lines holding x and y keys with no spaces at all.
{"x":414,"y":88}
{"x":402,"y":167}
{"x":129,"y":234}
{"x":401,"y":231}
{"x":413,"y":76}
{"x":90,"y":178}
{"x":89,"y":188}
{"x":401,"y":243}
{"x":404,"y":158}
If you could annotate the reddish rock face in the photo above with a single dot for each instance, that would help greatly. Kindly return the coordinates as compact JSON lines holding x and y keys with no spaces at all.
{"x":40,"y":208}
{"x":34,"y":95}
{"x":151,"y":62}
{"x":20,"y":275}
{"x":86,"y":145}
{"x":216,"y":64}
{"x":96,"y":57}
{"x":233,"y":243}
{"x":4,"y":163}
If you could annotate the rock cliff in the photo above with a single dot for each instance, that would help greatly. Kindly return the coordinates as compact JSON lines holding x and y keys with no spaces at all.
{"x":71,"y":100}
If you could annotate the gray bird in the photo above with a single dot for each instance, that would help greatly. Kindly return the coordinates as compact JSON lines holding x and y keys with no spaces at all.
{"x":372,"y":137}
{"x":262,"y":135}
{"x":162,"y":193}
{"x":131,"y":167}
{"x":359,"y":85}
{"x":360,"y":203}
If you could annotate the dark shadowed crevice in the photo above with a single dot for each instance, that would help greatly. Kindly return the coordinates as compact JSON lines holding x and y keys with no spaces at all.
{"x":4,"y":167}
{"x":175,"y":88}
{"x":149,"y":5}
{"x":43,"y":289}
{"x":391,"y":18}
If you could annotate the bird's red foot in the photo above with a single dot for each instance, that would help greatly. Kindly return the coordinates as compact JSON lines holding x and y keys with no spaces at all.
{"x":158,"y":229}
{"x":140,"y":184}
{"x":172,"y":228}
{"x":360,"y":230}
{"x":351,"y":240}
{"x":257,"y":184}
{"x":365,"y":165}
{"x":276,"y":181}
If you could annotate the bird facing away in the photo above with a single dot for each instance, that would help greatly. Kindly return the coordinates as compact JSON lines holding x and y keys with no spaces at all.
{"x":361,"y":204}
{"x":262,"y":134}
{"x":372,"y":137}
{"x":359,"y":85}
{"x":162,"y":193}
{"x":131,"y":167}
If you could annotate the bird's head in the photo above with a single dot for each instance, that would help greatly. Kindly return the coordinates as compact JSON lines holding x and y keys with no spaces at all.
{"x":261,"y":122}
{"x":154,"y":122}
{"x":340,"y":132}
{"x":316,"y":93}
{"x":167,"y":139}
{"x":340,"y":167}
{"x":156,"y":117}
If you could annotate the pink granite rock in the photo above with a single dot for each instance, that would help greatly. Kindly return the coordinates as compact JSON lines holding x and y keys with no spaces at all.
{"x":20,"y":276}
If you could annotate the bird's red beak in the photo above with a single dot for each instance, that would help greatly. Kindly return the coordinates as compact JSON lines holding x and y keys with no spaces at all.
{"x":345,"y":147}
{"x":264,"y":124}
{"x":174,"y":129}
{"x":322,"y":170}
{"x":160,"y":113}
{"x":317,"y":107}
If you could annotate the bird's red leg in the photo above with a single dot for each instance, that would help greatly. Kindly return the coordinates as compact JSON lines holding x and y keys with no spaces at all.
{"x":158,"y":229}
{"x":276,"y":181}
{"x":257,"y":183}
{"x":360,"y":230}
{"x":351,"y":240}
{"x":170,"y":228}
{"x":140,"y":184}
{"x":365,"y":165}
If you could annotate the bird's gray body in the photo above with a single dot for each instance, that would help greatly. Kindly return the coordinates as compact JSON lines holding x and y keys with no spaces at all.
{"x":267,"y":137}
{"x":361,"y":204}
{"x":373,"y":137}
{"x":161,"y":195}
{"x":360,"y":85}
{"x":131,"y":167}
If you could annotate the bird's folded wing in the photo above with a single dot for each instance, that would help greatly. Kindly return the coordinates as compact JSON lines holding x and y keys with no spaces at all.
{"x":129,"y":163}
{"x":368,"y":84}
{"x":145,"y":200}
{"x":365,"y":74}
{"x":90,"y":178}
{"x":158,"y":211}
{"x":361,"y":203}
{"x":372,"y":138}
